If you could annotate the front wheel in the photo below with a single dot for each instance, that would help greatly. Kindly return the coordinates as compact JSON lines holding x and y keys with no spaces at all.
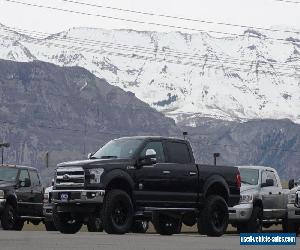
{"x":213,"y":219}
{"x":290,"y":227}
{"x":65,"y":223}
{"x":166,"y":225}
{"x":10,"y":219}
{"x":254,"y":224}
{"x":117,"y":212}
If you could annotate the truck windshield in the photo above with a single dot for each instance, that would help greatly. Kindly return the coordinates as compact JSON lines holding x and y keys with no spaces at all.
{"x":249,"y":176}
{"x":8,"y":174}
{"x":119,"y":148}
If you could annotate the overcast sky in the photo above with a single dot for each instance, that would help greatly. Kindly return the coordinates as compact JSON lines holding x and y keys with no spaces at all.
{"x":260,"y":13}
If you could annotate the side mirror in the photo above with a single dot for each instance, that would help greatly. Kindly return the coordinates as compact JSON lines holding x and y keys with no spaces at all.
{"x":268,"y":183}
{"x":291,"y":184}
{"x":149,"y":158}
{"x":89,"y":156}
{"x":25,"y":183}
{"x":52,"y":182}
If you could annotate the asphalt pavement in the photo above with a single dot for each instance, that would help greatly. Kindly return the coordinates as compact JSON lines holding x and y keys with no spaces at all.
{"x":36,"y":240}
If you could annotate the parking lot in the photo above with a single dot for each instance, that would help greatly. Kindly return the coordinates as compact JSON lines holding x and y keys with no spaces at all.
{"x":34,"y":240}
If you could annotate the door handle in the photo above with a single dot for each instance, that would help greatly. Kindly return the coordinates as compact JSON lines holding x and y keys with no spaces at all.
{"x":166,"y":172}
{"x":279,"y":193}
{"x":192,"y":173}
{"x":270,"y":192}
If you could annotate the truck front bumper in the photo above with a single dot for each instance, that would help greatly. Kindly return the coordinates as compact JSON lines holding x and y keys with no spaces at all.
{"x":293,"y":212}
{"x":64,"y":197}
{"x":2,"y":204}
{"x":241,"y":212}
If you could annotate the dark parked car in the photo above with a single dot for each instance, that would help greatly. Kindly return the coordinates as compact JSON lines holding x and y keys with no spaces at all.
{"x":21,"y":196}
{"x":144,"y":178}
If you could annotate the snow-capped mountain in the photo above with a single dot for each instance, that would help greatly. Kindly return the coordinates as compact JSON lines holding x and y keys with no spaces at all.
{"x":251,"y":76}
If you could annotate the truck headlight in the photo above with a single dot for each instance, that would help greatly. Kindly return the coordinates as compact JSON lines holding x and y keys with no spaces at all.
{"x":46,"y":197}
{"x":292,"y":198}
{"x":246,"y":198}
{"x":1,"y":194}
{"x":95,"y":175}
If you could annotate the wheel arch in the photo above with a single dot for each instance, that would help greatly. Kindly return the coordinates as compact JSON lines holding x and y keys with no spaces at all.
{"x":216,"y":184}
{"x":12,"y":199}
{"x":119,"y":179}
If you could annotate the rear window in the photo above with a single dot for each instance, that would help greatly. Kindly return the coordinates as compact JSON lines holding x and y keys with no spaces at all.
{"x":178,"y":153}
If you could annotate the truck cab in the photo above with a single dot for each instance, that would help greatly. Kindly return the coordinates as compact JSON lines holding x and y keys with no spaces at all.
{"x":21,"y":196}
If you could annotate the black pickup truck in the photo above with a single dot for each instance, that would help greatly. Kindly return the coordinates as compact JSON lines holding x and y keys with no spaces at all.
{"x":144,"y":178}
{"x":21,"y":196}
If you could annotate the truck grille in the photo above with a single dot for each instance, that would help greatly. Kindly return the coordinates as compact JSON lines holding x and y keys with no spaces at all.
{"x":69,"y":177}
{"x":297,"y":201}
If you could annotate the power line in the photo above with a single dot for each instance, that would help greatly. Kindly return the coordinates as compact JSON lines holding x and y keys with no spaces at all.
{"x":172,"y":53}
{"x":177,"y":17}
{"x":139,"y":22}
{"x":147,"y":58}
{"x":130,"y":132}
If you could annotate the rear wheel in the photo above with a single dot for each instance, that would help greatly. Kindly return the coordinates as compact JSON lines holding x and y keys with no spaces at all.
{"x":49,"y":225}
{"x":213,"y":220}
{"x":65,"y":223}
{"x":166,"y":225}
{"x":117,"y":212}
{"x":10,"y":219}
{"x":254,"y":224}
{"x":94,"y":224}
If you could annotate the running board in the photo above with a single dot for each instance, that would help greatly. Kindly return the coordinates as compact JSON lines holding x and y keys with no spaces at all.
{"x":32,"y":218}
{"x":149,"y":209}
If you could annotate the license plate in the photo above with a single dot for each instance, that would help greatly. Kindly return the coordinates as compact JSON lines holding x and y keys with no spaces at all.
{"x":64,"y":197}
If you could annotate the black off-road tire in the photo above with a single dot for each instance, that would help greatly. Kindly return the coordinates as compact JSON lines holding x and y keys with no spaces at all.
{"x":290,"y":227}
{"x":10,"y":219}
{"x":254,"y":224}
{"x":94,"y":224}
{"x":139,"y":226}
{"x":213,"y":220}
{"x":117,"y":214}
{"x":65,"y":223}
{"x":49,"y":225}
{"x":166,"y":225}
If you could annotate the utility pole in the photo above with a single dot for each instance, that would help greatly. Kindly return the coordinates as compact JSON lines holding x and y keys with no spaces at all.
{"x":184,"y":135}
{"x":2,"y":146}
{"x":216,"y":155}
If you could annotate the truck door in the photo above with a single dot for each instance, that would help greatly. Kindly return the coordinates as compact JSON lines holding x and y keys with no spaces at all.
{"x":36,"y":194}
{"x":152,"y":183}
{"x":183,"y":174}
{"x":270,"y":195}
{"x":24,"y":193}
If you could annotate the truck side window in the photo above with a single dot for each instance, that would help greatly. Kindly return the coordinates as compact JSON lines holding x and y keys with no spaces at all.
{"x":158,"y":148}
{"x":264,"y":177}
{"x":35,"y":180}
{"x":272,"y":176}
{"x":178,"y":153}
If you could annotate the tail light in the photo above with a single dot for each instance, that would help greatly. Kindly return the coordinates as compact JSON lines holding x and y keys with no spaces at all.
{"x":238,"y":179}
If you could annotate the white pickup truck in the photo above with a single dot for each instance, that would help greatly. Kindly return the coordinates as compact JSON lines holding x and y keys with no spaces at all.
{"x":263,"y":201}
{"x":292,"y":224}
